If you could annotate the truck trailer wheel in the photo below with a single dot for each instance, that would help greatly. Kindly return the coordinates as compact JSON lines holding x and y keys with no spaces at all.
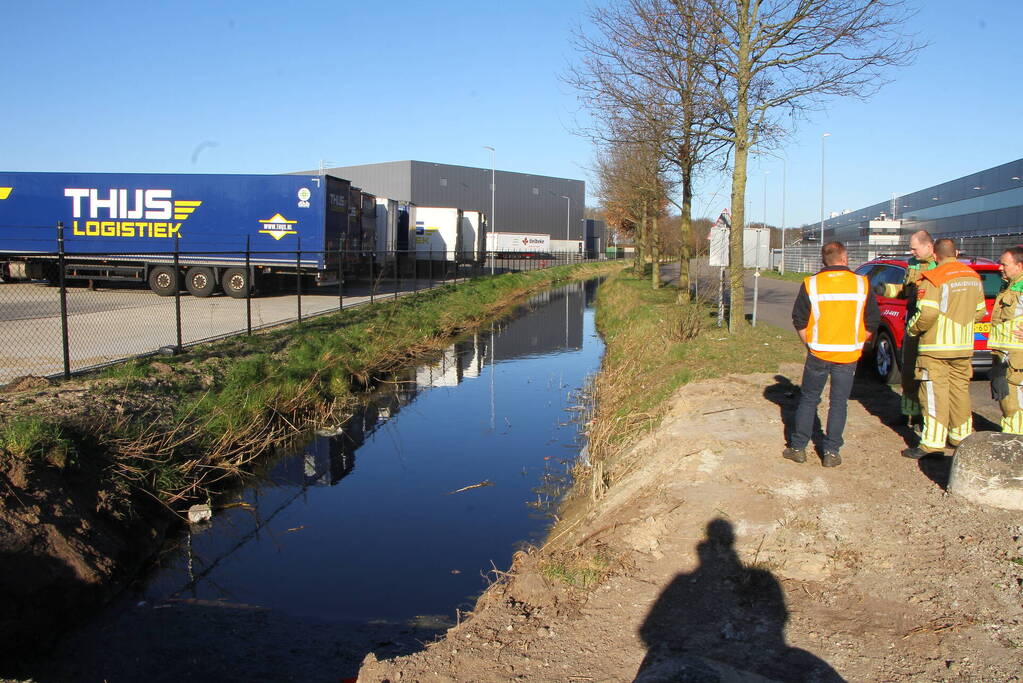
{"x":200,"y":281}
{"x":237,"y":283}
{"x":164,"y":280}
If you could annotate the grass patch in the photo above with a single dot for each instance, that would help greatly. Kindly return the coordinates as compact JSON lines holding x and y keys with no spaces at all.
{"x":578,"y":568}
{"x":33,"y":438}
{"x":654,"y":346}
{"x":790,"y":277}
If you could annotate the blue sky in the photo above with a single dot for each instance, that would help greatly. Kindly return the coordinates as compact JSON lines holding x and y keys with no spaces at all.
{"x":251,"y":87}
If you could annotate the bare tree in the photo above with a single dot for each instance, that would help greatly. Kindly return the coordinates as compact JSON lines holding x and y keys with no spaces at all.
{"x":646,"y":65}
{"x":633,"y":189}
{"x":773,"y":58}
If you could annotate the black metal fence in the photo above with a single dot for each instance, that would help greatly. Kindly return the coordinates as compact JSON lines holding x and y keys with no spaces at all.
{"x":806,"y":258}
{"x":65,"y":312}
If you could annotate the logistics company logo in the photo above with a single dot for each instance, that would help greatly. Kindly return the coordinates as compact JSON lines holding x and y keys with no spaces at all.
{"x":157,"y":210}
{"x":277,"y":226}
{"x":5,"y":192}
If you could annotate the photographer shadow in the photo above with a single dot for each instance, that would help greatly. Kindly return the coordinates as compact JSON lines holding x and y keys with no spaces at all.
{"x":724,"y":621}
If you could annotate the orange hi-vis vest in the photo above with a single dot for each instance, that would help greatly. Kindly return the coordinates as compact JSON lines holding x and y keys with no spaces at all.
{"x":836,"y":331}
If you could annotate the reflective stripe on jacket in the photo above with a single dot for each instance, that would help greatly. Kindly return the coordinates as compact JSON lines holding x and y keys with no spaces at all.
{"x":1006,"y":319}
{"x":836,"y":331}
{"x":951,"y":300}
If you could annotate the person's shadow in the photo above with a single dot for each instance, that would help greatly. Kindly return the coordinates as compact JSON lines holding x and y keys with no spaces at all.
{"x":723,"y":621}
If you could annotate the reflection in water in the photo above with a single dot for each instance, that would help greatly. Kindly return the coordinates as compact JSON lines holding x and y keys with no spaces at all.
{"x":318,"y":536}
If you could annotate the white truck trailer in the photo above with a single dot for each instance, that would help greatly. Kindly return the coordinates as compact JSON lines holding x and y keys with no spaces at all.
{"x":444,"y":234}
{"x":518,"y":245}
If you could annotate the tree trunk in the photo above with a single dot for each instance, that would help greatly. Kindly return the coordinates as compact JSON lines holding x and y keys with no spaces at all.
{"x":655,"y":255}
{"x":736,"y":290}
{"x":641,"y":247}
{"x":686,"y":229}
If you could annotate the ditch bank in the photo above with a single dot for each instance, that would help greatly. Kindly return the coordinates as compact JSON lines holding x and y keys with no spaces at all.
{"x":97,"y":470}
{"x":690,"y":550}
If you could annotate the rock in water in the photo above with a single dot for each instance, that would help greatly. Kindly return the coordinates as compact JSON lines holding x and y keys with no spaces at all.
{"x":199,"y":513}
{"x":988,"y":469}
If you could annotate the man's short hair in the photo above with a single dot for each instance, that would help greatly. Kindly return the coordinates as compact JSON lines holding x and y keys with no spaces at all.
{"x":945,"y":248}
{"x":1016,"y":253}
{"x":832,"y":253}
{"x":922,"y":236}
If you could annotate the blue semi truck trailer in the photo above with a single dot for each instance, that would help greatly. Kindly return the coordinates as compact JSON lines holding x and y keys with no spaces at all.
{"x":201,"y":232}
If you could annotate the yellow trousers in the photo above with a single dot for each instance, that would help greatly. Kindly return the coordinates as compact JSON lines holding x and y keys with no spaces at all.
{"x":1012,"y":405}
{"x":944,"y":400}
{"x":910,"y":384}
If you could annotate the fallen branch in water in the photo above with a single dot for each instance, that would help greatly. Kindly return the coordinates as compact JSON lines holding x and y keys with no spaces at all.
{"x":485,"y":482}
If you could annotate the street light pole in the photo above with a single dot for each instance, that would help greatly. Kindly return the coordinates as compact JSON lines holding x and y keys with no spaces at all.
{"x":822,"y":187}
{"x":493,"y":189}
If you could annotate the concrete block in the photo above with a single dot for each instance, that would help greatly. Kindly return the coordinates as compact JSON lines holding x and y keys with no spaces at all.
{"x":988,"y":469}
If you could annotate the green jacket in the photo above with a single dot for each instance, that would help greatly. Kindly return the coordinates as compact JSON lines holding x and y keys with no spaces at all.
{"x":908,"y":289}
{"x":1006,"y":319}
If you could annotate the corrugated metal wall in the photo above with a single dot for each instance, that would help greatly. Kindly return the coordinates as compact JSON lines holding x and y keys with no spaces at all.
{"x":525,"y":203}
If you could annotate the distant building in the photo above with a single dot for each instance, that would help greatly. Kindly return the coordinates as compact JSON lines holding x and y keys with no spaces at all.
{"x":988,"y":202}
{"x":524,"y":203}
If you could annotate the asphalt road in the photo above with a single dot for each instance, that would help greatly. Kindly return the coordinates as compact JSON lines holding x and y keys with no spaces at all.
{"x":774,"y":306}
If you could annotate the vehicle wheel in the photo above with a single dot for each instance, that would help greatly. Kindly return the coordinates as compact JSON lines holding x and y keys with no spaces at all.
{"x":164,"y":280}
{"x":886,"y":364}
{"x":237,"y":283}
{"x":200,"y":281}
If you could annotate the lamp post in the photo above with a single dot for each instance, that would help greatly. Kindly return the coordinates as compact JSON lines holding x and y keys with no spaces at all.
{"x":784,"y":192}
{"x":493,"y":188}
{"x":826,"y":135}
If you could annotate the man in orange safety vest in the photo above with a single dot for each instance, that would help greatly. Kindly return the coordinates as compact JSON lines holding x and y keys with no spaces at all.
{"x":834,"y":314}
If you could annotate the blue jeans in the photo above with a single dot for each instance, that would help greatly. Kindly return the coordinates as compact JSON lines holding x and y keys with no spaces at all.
{"x":815,"y":375}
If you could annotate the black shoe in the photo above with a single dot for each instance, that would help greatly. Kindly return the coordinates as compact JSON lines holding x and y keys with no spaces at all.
{"x":831,"y":460}
{"x":916,"y":453}
{"x":794,"y":455}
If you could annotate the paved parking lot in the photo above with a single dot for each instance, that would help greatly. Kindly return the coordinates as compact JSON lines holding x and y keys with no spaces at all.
{"x":114,"y":323}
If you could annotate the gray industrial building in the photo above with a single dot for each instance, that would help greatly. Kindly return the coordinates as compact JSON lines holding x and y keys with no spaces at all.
{"x":524,"y":203}
{"x":983,"y":204}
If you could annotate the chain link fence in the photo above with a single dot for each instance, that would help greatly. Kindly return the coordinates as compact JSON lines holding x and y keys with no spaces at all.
{"x":63,"y":313}
{"x":806,"y":258}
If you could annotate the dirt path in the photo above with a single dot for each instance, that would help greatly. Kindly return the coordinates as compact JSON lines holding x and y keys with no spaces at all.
{"x":731,"y":558}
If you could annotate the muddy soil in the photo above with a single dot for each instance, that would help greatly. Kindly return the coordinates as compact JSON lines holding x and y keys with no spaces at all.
{"x":735,"y":564}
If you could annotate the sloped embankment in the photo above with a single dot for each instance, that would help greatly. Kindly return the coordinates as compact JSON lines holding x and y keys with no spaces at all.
{"x":703,"y":555}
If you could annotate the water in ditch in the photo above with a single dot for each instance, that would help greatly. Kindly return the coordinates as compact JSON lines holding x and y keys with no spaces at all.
{"x":398,"y":519}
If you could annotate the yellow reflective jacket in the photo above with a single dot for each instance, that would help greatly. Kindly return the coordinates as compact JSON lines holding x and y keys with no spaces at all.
{"x":950,"y":300}
{"x":1006,"y":319}
{"x":836,"y":330}
{"x":908,"y":288}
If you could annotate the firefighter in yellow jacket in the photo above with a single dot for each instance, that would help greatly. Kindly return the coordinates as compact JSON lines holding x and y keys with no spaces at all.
{"x":1006,"y":372}
{"x":950,"y":299}
{"x":921,"y":244}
